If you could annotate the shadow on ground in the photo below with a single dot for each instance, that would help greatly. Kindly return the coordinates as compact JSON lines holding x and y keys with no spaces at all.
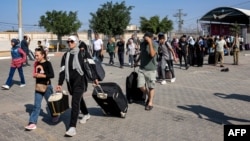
{"x":211,"y":114}
{"x":234,"y":96}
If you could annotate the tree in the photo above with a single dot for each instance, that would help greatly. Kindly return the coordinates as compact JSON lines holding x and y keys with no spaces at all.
{"x":155,"y":25}
{"x":235,"y":28}
{"x":111,"y":19}
{"x":60,"y":23}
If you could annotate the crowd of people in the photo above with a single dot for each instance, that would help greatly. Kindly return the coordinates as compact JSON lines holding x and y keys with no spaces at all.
{"x":155,"y":56}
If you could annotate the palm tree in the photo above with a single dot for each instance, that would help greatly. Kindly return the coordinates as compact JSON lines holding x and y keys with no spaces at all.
{"x":155,"y":25}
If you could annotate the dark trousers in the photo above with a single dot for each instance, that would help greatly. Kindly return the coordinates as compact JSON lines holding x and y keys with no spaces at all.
{"x":184,"y":55}
{"x":111,"y":57}
{"x":121,"y":58}
{"x":77,"y":104}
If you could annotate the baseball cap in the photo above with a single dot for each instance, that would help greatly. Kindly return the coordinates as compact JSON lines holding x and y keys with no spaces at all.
{"x":73,"y":38}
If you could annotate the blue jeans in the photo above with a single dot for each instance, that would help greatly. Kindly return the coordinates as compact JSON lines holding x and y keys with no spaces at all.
{"x":37,"y":104}
{"x":96,"y":55}
{"x":11,"y":74}
{"x":131,"y":59}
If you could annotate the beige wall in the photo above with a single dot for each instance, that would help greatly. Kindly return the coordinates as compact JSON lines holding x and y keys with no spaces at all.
{"x":5,"y":38}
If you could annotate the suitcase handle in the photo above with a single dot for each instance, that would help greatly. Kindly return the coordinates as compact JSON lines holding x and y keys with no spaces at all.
{"x":100,"y":95}
{"x":63,"y":92}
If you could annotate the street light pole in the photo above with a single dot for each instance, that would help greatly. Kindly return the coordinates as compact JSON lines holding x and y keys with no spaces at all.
{"x":20,"y":32}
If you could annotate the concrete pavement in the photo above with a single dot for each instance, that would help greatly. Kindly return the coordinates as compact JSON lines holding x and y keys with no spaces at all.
{"x":194,"y":108}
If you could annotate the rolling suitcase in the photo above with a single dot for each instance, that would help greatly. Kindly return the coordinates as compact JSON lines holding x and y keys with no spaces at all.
{"x":211,"y":58}
{"x":168,"y":74}
{"x":132,"y":92}
{"x":110,"y":98}
{"x":247,"y":47}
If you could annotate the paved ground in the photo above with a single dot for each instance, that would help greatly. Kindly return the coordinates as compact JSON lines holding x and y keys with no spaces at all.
{"x":194,"y":108}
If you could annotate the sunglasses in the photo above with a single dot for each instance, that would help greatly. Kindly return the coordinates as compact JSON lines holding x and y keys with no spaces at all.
{"x":71,"y":41}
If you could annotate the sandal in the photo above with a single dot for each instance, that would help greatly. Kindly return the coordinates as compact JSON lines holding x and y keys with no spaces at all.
{"x":148,"y":107}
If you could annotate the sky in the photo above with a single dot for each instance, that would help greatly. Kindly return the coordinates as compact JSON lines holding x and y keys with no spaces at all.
{"x":33,"y":9}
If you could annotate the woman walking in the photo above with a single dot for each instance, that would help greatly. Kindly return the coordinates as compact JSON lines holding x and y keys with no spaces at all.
{"x":18,"y":58}
{"x":72,"y":70}
{"x":43,"y":72}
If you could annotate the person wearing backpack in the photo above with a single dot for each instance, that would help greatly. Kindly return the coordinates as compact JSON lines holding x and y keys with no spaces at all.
{"x":168,"y":56}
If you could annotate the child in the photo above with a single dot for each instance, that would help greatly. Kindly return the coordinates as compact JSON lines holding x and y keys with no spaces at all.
{"x":18,"y":58}
{"x":43,"y":72}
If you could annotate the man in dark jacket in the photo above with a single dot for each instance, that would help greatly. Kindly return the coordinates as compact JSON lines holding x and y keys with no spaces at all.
{"x":25,"y":46}
{"x":183,"y":51}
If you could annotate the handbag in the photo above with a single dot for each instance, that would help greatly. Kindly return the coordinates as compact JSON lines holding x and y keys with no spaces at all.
{"x":41,"y":87}
{"x":58,"y":103}
{"x":88,"y":68}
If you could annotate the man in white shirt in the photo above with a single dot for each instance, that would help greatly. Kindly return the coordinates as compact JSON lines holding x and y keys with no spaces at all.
{"x":97,"y":48}
{"x":46,"y":47}
{"x":220,"y":44}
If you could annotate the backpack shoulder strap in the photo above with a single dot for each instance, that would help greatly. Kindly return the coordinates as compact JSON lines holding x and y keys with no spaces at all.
{"x":167,"y":44}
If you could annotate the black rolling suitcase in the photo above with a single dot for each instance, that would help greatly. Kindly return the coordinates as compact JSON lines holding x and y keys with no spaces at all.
{"x":247,"y":47}
{"x":211,"y":58}
{"x":110,"y":98}
{"x":132,"y":92}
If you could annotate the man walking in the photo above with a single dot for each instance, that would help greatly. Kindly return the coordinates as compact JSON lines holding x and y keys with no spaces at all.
{"x":25,"y":46}
{"x":147,"y":70}
{"x":220,"y":44}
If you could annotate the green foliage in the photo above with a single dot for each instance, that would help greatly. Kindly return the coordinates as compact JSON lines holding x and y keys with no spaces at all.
{"x":111,"y":19}
{"x":60,"y":22}
{"x":235,"y":28}
{"x":155,"y":25}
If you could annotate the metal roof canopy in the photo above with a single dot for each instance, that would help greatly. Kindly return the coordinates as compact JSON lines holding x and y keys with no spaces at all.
{"x":228,"y":15}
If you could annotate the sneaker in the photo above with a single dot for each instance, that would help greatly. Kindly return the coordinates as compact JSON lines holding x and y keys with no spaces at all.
{"x":55,"y":119}
{"x":163,"y":82}
{"x":221,"y":66}
{"x":31,"y":126}
{"x":129,"y":64}
{"x":173,"y":80}
{"x":6,"y":87}
{"x":22,"y":85}
{"x":85,"y":118}
{"x":71,"y":132}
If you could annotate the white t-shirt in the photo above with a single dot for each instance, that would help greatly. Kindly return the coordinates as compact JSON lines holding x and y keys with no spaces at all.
{"x":131,"y":48}
{"x":97,"y":44}
{"x":46,"y":46}
{"x":220,"y":45}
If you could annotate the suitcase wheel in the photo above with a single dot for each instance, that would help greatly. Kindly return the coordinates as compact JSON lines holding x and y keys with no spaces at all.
{"x":123,"y":115}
